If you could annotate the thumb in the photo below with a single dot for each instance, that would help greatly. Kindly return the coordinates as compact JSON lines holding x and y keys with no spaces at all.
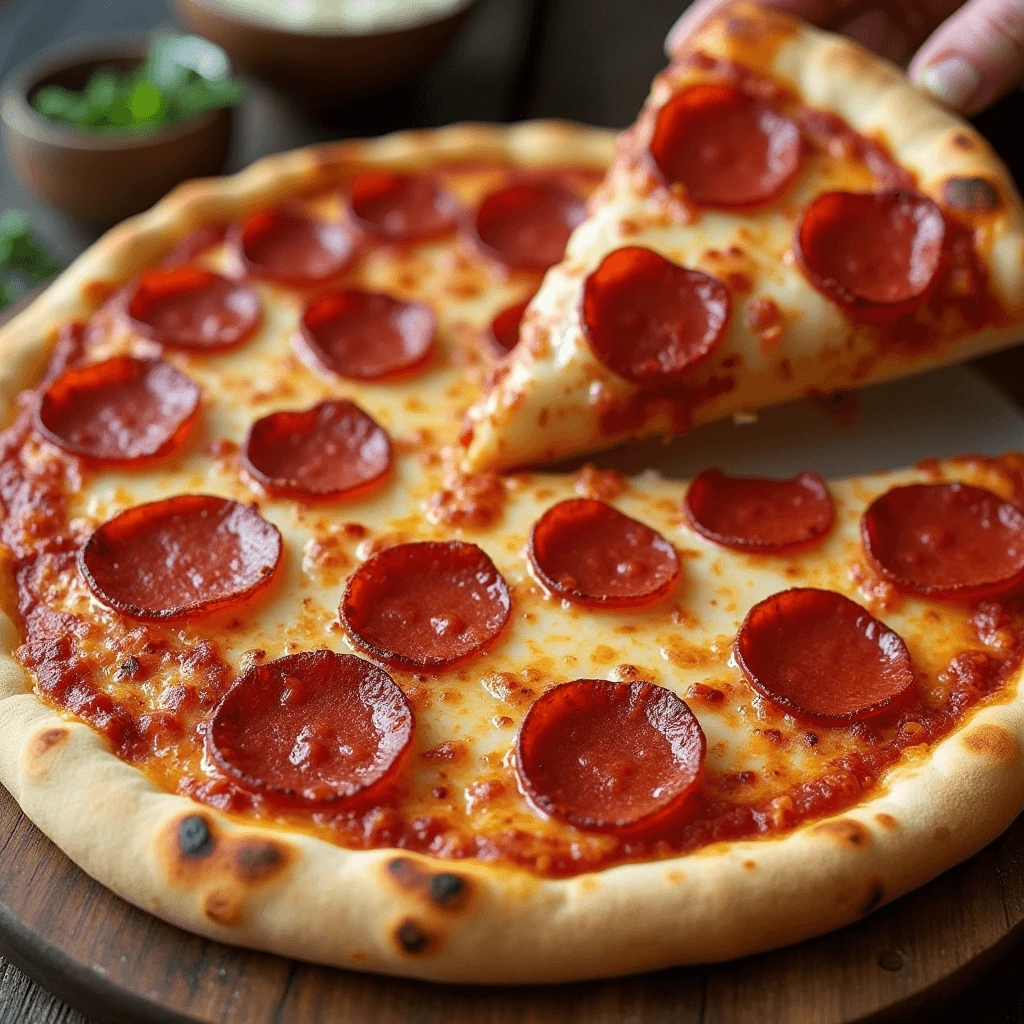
{"x":974,"y":57}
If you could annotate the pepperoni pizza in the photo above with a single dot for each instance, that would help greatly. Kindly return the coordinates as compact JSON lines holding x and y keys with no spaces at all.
{"x":274,"y":670}
{"x":788,"y":215}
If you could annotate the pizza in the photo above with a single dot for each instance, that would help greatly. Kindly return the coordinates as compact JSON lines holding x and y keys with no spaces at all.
{"x":787,"y":216}
{"x":273,"y":668}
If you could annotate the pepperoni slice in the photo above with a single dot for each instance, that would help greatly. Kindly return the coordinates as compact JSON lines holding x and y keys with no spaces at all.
{"x":504,"y":333}
{"x":950,"y":541}
{"x":194,"y":309}
{"x":368,"y":335}
{"x":759,"y":515}
{"x":402,"y":207}
{"x":427,"y":604}
{"x":289,"y":247}
{"x":334,"y":450}
{"x":590,"y":553}
{"x":190,"y":555}
{"x":651,"y":321}
{"x":874,"y":253}
{"x":527,"y":224}
{"x":725,"y":147}
{"x":119,"y":412}
{"x":622,"y":757}
{"x":820,"y":656}
{"x":315,"y":728}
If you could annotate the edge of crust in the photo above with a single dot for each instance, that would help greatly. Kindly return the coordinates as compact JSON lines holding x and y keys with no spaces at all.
{"x":394,"y":912}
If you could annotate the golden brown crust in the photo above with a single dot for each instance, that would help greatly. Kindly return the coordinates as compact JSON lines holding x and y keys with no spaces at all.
{"x":401,"y":913}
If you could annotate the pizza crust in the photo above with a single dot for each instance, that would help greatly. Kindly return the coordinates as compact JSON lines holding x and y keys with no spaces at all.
{"x":550,"y":403}
{"x":394,"y":912}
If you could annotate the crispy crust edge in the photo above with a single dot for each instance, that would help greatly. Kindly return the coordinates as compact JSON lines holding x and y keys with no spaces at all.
{"x":393,"y":912}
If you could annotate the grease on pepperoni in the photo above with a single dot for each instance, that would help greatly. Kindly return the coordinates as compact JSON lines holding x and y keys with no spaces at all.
{"x":402,"y":207}
{"x":333,"y":450}
{"x":315,"y":729}
{"x":725,"y":147}
{"x":591,"y":553}
{"x":122,"y":411}
{"x":194,"y":309}
{"x":503,"y":335}
{"x":527,"y":224}
{"x":287,"y":246}
{"x":187,"y":556}
{"x":874,"y":253}
{"x":619,"y":757}
{"x":427,"y":604}
{"x":760,"y":515}
{"x":820,"y":656}
{"x":651,"y":321}
{"x":948,"y":541}
{"x":368,"y":335}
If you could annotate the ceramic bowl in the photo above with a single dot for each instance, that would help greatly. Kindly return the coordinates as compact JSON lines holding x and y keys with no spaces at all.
{"x":101,"y":177}
{"x":322,"y":69}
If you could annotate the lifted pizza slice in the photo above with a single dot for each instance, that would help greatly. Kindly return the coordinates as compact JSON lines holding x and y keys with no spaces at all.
{"x":788,"y":215}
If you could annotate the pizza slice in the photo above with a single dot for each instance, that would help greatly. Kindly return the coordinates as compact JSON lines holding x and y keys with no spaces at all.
{"x":788,"y":215}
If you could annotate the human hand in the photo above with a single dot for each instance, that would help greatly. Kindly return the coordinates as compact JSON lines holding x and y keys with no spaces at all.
{"x":966,"y":54}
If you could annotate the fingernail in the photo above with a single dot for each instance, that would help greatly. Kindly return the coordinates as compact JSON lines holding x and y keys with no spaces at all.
{"x":675,"y":36}
{"x":951,"y":81}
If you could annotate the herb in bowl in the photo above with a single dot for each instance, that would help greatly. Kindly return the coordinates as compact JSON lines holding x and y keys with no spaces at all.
{"x":182,"y":76}
{"x":24,"y":263}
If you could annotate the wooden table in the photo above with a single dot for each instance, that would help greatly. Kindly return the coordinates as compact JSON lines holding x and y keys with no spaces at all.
{"x":514,"y":59}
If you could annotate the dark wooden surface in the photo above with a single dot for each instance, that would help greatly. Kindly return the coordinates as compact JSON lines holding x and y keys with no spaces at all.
{"x":590,"y":60}
{"x":125,"y":967}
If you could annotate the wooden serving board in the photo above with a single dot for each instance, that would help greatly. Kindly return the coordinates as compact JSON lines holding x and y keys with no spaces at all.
{"x":120,"y":965}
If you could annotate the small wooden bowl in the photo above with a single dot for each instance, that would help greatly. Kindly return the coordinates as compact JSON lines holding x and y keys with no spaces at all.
{"x":324,"y":69}
{"x":102,"y":177}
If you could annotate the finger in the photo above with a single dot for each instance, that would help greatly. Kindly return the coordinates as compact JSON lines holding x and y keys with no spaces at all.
{"x":974,"y":57}
{"x":894,"y":30}
{"x":820,"y":12}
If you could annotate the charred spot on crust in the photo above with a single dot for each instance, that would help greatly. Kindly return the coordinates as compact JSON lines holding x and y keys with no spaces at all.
{"x":195,"y":840}
{"x":48,"y":739}
{"x":845,"y":831}
{"x":886,"y":821}
{"x":223,"y":907}
{"x":412,"y":938}
{"x":994,"y":743}
{"x":873,"y":896}
{"x":405,"y":872}
{"x":447,"y":889}
{"x":256,"y":859}
{"x":977,"y":195}
{"x":963,"y":141}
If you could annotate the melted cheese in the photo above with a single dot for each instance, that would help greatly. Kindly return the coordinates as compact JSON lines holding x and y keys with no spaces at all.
{"x":461,"y":797}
